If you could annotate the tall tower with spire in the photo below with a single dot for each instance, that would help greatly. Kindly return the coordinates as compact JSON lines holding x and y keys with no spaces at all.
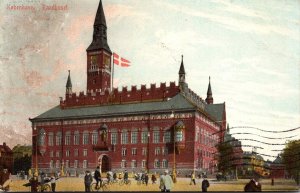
{"x":181,"y":82}
{"x":99,"y":56}
{"x":209,"y":99}
{"x":69,"y":85}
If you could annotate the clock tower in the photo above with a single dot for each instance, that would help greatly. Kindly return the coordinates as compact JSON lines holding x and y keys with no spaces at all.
{"x":99,"y":56}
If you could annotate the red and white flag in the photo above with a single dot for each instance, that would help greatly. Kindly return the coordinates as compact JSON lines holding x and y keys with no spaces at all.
{"x":121,"y":61}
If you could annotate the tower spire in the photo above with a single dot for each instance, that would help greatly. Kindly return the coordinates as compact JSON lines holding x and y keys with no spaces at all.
{"x":69,"y":85}
{"x":100,"y":34}
{"x":209,"y":99}
{"x":182,"y":84}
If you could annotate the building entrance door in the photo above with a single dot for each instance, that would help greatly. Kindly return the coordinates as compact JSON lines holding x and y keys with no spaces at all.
{"x":105,"y":165}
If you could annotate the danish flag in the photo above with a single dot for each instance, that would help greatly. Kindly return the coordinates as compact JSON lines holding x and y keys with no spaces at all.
{"x":120,"y":61}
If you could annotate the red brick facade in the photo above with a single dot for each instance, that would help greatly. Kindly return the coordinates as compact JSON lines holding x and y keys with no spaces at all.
{"x":6,"y":158}
{"x":128,"y":129}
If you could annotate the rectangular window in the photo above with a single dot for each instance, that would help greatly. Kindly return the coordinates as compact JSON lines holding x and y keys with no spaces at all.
{"x":67,"y":164}
{"x":58,"y":138}
{"x":124,"y":137}
{"x":67,"y":153}
{"x":133,"y":151}
{"x":85,"y":152}
{"x":145,"y":137}
{"x":123,"y":164}
{"x":84,"y":164}
{"x":164,"y":164}
{"x":85,"y":140}
{"x":68,"y":140}
{"x":144,"y":151}
{"x":144,"y":163}
{"x":157,"y":151}
{"x":114,"y":138}
{"x":156,"y":137}
{"x":164,"y":151}
{"x":50,"y":139}
{"x":134,"y":137}
{"x":75,"y":163}
{"x":76,"y":138}
{"x":156,"y":163}
{"x":167,"y":137}
{"x":57,"y":154}
{"x":133,"y":164}
{"x":124,"y":151}
{"x":94,"y":138}
{"x":179,"y":136}
{"x":75,"y":152}
{"x":51,"y":154}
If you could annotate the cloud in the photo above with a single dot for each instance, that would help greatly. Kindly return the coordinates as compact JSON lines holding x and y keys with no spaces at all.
{"x":235,"y":23}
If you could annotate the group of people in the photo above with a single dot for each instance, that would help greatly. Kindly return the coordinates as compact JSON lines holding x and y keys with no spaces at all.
{"x":41,"y":180}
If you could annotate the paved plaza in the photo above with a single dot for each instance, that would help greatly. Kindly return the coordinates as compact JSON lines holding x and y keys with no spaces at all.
{"x":183,"y":184}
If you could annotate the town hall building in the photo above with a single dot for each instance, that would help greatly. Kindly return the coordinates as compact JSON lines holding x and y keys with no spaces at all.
{"x":165,"y":126}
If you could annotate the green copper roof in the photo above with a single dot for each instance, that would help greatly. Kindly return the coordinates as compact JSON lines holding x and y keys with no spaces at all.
{"x":178,"y":102}
{"x":216,"y":110}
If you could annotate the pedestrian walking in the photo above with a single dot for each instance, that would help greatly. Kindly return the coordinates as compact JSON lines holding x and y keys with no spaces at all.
{"x":193,"y":180}
{"x":153,"y":178}
{"x":126,"y":176}
{"x":205,"y":184}
{"x":34,"y":183}
{"x":53,"y":182}
{"x":272,"y":181}
{"x":88,"y":179}
{"x":97,"y":177}
{"x":166,"y":182}
{"x":146,"y":179}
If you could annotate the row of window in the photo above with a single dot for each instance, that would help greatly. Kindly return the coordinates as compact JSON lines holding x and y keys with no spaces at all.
{"x":201,"y":136}
{"x":68,"y":153}
{"x":157,"y":151}
{"x":133,"y":164}
{"x":157,"y":164}
{"x":134,"y":151}
{"x":57,"y":138}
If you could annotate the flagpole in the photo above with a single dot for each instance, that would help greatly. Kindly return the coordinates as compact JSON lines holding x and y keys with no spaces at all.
{"x":112,"y":79}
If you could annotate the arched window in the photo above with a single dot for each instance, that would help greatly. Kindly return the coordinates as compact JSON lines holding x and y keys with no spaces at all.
{"x":179,"y":136}
{"x":95,"y":137}
{"x":42,"y":136}
{"x":68,"y":138}
{"x":76,"y":138}
{"x":58,"y":138}
{"x":85,"y":139}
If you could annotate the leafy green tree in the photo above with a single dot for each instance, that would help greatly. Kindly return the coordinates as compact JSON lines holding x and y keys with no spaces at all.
{"x":291,"y":159}
{"x":225,"y":162}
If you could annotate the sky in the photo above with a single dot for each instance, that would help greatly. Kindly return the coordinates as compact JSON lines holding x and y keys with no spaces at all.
{"x":250,"y":49}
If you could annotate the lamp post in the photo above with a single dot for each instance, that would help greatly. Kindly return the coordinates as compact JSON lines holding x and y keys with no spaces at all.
{"x":36,"y":173}
{"x":148,"y":148}
{"x":174,"y":149}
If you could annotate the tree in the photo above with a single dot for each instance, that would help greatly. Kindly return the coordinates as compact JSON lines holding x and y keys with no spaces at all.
{"x":225,"y":151}
{"x":291,"y":159}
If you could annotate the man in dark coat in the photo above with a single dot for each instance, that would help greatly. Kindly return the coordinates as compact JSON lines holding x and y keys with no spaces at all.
{"x":205,"y":184}
{"x":253,"y":186}
{"x":97,"y":177}
{"x":88,"y":179}
{"x":126,"y":176}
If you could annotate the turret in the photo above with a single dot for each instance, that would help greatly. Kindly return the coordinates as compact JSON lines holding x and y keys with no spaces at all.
{"x":182,"y":84}
{"x":209,"y":99}
{"x":69,"y":85}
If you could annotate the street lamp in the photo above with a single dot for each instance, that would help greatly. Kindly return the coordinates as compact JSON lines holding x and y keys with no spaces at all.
{"x":174,"y":149}
{"x":148,"y":148}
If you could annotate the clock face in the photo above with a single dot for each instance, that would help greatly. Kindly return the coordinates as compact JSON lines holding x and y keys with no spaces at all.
{"x":94,"y":60}
{"x":107,"y":62}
